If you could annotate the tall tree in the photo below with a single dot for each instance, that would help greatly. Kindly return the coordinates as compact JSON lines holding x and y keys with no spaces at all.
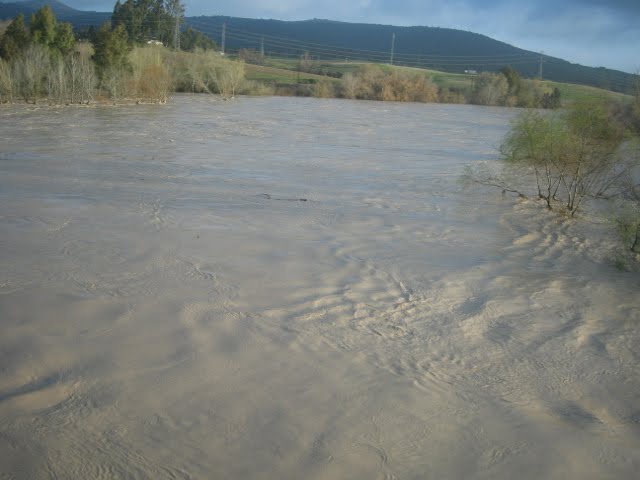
{"x":191,"y":39}
{"x":513,"y":79}
{"x":111,"y":48}
{"x":42,"y":27}
{"x":15,"y":38}
{"x":175,"y":12}
{"x":65,"y":40}
{"x":147,"y":19}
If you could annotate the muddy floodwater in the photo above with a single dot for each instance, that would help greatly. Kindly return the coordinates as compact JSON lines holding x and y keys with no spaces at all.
{"x":275,"y":288}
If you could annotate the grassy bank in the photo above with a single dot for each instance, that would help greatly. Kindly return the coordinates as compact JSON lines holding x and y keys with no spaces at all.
{"x":283,"y":71}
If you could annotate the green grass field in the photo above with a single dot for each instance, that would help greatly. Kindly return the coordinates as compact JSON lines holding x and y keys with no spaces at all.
{"x":284,"y":71}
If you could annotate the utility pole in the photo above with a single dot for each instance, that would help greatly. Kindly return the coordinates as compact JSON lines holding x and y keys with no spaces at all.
{"x":541,"y":62}
{"x":262,"y":46}
{"x":393,"y":46}
{"x":224,"y":36}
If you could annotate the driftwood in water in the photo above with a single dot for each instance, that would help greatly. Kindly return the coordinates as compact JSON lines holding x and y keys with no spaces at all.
{"x":269,"y":197}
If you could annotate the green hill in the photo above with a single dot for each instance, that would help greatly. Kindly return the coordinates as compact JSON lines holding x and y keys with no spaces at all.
{"x":62,"y":11}
{"x":442,"y":49}
{"x":436,"y":48}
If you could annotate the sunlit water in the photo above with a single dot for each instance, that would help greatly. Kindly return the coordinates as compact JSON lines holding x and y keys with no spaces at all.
{"x":297,"y":288}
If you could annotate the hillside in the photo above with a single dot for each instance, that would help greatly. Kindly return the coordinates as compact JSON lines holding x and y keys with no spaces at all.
{"x":63,"y":12}
{"x":441,"y":49}
{"x":436,"y":48}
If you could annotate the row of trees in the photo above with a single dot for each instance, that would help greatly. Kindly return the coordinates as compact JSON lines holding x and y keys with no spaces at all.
{"x":144,"y":20}
{"x":374,"y":82}
{"x":44,"y":61}
{"x":43,"y":30}
{"x":508,"y":89}
{"x":37,"y":73}
{"x":41,"y":61}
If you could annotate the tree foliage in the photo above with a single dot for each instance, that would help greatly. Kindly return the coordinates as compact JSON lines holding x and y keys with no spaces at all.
{"x":64,"y":38}
{"x":507,"y":88}
{"x":146,"y":20}
{"x":513,"y":80}
{"x":573,"y":155}
{"x":191,"y":39}
{"x":42,"y":27}
{"x":111,"y":49}
{"x":489,"y":89}
{"x":15,"y":38}
{"x":44,"y":30}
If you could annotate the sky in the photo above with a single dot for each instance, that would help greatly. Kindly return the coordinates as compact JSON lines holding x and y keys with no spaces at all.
{"x":591,"y":32}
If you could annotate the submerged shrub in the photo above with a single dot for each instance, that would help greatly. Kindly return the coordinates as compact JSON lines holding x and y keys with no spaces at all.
{"x":323,"y":89}
{"x":573,"y":155}
{"x":371,"y":82}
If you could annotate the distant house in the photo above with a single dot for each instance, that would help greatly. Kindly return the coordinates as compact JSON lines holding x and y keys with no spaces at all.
{"x":154,"y":42}
{"x":471,"y":72}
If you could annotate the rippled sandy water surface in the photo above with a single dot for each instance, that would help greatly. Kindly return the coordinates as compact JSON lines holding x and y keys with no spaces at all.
{"x":291,"y":288}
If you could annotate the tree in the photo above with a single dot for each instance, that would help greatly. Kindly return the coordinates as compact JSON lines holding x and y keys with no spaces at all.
{"x":229,"y":76}
{"x":148,"y":19}
{"x":513,"y":80}
{"x":42,"y":27}
{"x":64,"y":39}
{"x":15,"y":39}
{"x":489,"y":89}
{"x":573,"y":156}
{"x":111,"y":49}
{"x":30,"y":71}
{"x":551,"y":100}
{"x":175,"y":11}
{"x":191,"y":40}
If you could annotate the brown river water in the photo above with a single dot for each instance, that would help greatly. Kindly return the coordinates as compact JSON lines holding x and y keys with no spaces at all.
{"x":281,"y":288}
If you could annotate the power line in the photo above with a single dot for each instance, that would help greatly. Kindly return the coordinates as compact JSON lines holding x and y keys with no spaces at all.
{"x":376,"y":55}
{"x":312,"y":45}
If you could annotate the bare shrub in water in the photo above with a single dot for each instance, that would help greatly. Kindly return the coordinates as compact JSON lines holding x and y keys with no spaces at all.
{"x":250,"y":87}
{"x":152,"y":80}
{"x":229,"y":77}
{"x":6,"y":82}
{"x":372,"y":82}
{"x":573,"y":155}
{"x":116,"y":82}
{"x":30,"y":70}
{"x":323,"y":89}
{"x":489,"y":89}
{"x":195,"y":72}
{"x":349,"y":85}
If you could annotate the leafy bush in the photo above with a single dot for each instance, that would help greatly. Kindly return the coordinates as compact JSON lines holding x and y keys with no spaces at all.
{"x":573,"y":155}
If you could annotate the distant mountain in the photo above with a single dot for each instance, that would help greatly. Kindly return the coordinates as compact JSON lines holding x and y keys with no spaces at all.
{"x":62,"y":11}
{"x":11,"y":9}
{"x":438,"y":48}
